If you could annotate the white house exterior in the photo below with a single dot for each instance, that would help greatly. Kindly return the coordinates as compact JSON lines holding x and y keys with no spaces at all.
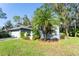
{"x":57,"y":33}
{"x":31,"y":35}
{"x":54,"y":35}
{"x":16,"y":32}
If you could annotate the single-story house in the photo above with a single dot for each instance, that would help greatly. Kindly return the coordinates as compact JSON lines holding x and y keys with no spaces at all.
{"x":16,"y":32}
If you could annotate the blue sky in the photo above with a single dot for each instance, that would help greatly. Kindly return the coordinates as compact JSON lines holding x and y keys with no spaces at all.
{"x":19,"y":9}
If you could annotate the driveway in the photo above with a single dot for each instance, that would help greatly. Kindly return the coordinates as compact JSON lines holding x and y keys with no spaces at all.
{"x":2,"y":39}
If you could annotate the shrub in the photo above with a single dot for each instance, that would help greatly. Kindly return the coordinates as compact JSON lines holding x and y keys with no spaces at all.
{"x":62,"y":35}
{"x":24,"y":35}
{"x":4,"y":35}
{"x":36,"y":37}
{"x":77,"y":34}
{"x":36,"y":34}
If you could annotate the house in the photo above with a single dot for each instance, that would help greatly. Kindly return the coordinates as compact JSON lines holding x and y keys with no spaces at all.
{"x":57,"y":33}
{"x":16,"y":32}
{"x":54,"y":35}
{"x":27,"y":30}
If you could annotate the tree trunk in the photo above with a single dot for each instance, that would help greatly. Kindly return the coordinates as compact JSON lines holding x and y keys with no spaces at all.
{"x":75,"y":28}
{"x":46,"y":36}
{"x":67,"y":32}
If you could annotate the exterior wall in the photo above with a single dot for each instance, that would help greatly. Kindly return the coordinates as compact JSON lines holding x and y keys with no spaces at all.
{"x":57,"y":33}
{"x":31,"y":35}
{"x":15,"y":34}
{"x":53,"y":35}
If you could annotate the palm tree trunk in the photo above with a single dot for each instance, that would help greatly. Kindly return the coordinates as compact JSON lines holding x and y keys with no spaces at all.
{"x":46,"y":37}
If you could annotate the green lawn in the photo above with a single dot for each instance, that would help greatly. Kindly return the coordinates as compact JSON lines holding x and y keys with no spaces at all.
{"x":22,"y":47}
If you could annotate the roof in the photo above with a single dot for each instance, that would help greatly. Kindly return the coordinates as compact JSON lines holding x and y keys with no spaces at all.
{"x":21,"y":27}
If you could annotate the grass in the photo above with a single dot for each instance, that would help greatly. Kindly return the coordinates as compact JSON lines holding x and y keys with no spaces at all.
{"x":21,"y":47}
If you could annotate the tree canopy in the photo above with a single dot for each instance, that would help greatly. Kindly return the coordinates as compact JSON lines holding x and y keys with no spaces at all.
{"x":44,"y":20}
{"x":2,"y":14}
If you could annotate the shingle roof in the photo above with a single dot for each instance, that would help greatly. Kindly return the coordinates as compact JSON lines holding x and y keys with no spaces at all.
{"x":21,"y":27}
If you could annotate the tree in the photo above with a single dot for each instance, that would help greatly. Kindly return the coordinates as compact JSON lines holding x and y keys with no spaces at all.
{"x":44,"y":20}
{"x":63,"y":12}
{"x":26,"y":20}
{"x":74,"y":17}
{"x":2,"y":14}
{"x":0,"y":29}
{"x":21,"y":21}
{"x":17,"y":19}
{"x":8,"y":25}
{"x":75,"y":8}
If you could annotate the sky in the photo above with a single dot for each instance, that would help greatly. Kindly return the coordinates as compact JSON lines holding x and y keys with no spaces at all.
{"x":18,"y":9}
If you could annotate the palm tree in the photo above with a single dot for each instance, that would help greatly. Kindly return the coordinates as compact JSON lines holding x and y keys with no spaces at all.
{"x":44,"y":20}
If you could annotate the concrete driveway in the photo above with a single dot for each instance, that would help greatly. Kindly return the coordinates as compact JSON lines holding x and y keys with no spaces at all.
{"x":2,"y":39}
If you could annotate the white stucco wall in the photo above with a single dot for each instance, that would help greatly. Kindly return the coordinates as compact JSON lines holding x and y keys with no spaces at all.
{"x":57,"y":33}
{"x":54,"y":35}
{"x":31,"y":35}
{"x":15,"y":34}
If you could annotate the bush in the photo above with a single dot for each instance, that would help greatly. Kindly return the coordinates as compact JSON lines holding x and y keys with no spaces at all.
{"x":62,"y":35}
{"x":36,"y":37}
{"x":36,"y":34}
{"x":4,"y":35}
{"x":24,"y":35}
{"x":77,"y":34}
